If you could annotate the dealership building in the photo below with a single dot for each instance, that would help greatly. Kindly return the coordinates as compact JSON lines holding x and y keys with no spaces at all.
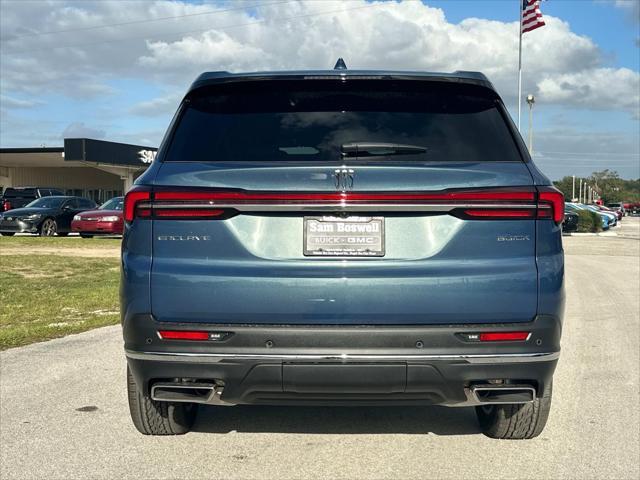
{"x":94,"y":169}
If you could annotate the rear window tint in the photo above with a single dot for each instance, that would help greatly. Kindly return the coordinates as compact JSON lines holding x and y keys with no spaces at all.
{"x":281,"y":121}
{"x":20,"y":193}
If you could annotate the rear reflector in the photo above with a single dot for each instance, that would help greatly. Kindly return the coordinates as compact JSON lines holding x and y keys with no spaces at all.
{"x":183,"y":335}
{"x":504,"y":336}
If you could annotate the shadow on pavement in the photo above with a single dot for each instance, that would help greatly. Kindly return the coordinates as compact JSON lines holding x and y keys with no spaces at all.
{"x":337,"y":420}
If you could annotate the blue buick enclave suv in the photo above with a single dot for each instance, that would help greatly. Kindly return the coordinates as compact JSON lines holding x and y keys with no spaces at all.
{"x":342,"y":238}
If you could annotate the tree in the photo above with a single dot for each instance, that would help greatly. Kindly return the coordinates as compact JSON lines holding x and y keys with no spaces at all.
{"x":607,"y":183}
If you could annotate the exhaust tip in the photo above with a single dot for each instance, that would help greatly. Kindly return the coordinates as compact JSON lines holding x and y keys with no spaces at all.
{"x":184,"y":392}
{"x":503,"y":394}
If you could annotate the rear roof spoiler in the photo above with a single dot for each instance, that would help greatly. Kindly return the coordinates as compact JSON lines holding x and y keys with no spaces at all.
{"x":213,"y":78}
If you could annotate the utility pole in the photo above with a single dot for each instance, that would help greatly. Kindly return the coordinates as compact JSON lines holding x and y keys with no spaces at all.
{"x":573,"y":189}
{"x":580,"y":192}
{"x":586,"y":193}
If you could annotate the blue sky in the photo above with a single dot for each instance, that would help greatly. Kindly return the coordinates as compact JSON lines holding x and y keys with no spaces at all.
{"x":124,"y":82}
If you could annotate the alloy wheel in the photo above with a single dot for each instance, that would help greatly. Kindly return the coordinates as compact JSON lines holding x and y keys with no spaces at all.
{"x":48,"y":228}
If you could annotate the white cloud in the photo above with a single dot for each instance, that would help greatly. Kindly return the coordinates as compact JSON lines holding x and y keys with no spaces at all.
{"x":80,"y":130}
{"x":405,"y":36}
{"x":164,"y":105}
{"x":10,"y":102}
{"x":293,"y":35}
{"x":600,"y":88}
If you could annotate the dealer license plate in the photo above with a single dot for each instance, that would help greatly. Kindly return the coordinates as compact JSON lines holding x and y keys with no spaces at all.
{"x":350,"y":236}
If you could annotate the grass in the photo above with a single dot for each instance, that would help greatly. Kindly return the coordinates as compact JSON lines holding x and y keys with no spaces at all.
{"x":60,"y":242}
{"x":49,"y":296}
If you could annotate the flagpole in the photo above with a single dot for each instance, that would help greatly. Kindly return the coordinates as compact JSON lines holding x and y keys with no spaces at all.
{"x":520,"y":66}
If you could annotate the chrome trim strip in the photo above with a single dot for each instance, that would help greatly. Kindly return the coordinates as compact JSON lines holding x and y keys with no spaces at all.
{"x":345,"y":357}
{"x":368,"y":207}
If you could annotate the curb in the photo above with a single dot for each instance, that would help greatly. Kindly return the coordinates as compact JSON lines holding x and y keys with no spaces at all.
{"x":586,"y":234}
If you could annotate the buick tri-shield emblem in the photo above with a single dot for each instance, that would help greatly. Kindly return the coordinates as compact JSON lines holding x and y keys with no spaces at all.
{"x":343,"y":179}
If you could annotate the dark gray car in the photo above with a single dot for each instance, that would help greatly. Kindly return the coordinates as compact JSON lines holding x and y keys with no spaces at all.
{"x":45,"y":216}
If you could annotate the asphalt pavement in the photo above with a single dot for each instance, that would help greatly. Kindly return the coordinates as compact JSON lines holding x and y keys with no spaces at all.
{"x":63,"y":409}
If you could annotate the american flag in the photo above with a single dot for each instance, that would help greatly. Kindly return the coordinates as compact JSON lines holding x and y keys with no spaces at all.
{"x":531,"y":15}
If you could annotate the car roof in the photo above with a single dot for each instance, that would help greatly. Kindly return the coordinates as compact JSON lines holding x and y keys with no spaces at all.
{"x":33,"y":188}
{"x":66,"y":196}
{"x":464,"y":77}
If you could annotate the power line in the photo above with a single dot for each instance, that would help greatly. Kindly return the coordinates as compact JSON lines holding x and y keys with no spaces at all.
{"x":147,"y":20}
{"x":225,"y":27}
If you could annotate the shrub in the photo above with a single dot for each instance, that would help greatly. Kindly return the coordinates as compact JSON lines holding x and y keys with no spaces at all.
{"x":589,"y":221}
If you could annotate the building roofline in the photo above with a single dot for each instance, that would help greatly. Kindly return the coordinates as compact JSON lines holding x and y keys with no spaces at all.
{"x":32,"y":150}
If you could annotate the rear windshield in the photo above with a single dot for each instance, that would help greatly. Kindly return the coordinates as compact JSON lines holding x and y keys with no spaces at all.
{"x":279,"y":121}
{"x":19,"y":193}
{"x":113,"y":204}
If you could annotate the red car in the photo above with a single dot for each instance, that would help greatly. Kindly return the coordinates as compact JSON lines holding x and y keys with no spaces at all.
{"x":618,"y":213}
{"x":106,"y":220}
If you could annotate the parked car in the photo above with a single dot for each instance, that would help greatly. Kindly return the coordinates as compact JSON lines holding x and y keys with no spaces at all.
{"x":618,"y":207}
{"x":612,"y":218}
{"x":617,"y":213}
{"x":570,"y":222}
{"x":45,"y":216}
{"x":383,"y":238}
{"x":106,"y":220}
{"x":575,"y":207}
{"x":632,"y":208}
{"x":17,"y":197}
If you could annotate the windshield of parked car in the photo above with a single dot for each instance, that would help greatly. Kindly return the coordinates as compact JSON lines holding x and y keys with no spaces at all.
{"x":113,"y":204}
{"x":318,"y":121}
{"x":47,"y":202}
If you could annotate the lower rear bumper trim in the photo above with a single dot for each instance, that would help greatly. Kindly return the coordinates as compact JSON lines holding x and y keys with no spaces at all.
{"x":465,"y":358}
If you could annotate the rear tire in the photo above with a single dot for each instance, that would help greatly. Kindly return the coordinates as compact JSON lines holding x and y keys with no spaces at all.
{"x":516,"y":421}
{"x":8,"y":234}
{"x":158,"y":418}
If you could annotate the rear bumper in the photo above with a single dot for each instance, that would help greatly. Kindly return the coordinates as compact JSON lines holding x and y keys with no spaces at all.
{"x":343,"y":365}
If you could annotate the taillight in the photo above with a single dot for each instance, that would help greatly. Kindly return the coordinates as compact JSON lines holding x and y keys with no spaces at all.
{"x":515,"y":203}
{"x":132,"y":199}
{"x":6,"y":205}
{"x":502,"y":213}
{"x":550,"y":198}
